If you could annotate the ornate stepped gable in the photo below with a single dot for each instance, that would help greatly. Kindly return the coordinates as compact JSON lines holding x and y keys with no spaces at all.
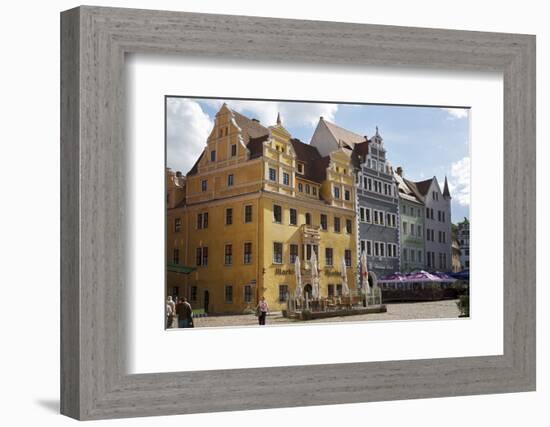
{"x":254,"y":136}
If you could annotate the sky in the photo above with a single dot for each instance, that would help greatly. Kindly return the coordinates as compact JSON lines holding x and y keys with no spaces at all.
{"x":424,"y":141}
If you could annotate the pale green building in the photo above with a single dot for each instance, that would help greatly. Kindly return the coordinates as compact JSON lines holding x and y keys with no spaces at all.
{"x":411,"y":230}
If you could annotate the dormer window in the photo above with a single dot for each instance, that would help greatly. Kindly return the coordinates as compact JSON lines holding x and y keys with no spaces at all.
{"x":301,"y":168}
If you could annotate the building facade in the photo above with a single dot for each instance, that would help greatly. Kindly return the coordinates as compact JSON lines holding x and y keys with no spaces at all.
{"x":255,"y":200}
{"x":377,"y":203}
{"x":437,"y":223}
{"x":411,"y":228}
{"x":463,"y":237}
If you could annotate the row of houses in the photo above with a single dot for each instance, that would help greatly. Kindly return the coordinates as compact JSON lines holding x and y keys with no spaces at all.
{"x":257,"y":199}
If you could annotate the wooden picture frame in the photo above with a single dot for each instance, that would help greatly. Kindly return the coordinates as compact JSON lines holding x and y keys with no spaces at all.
{"x":94,"y":41}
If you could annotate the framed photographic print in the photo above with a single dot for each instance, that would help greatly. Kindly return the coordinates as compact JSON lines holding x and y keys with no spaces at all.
{"x":313,"y":189}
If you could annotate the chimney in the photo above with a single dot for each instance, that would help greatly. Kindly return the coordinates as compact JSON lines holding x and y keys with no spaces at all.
{"x":399,"y":171}
{"x":254,"y":119}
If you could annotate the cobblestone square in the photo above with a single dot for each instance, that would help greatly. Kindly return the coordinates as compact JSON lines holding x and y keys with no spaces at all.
{"x":445,"y":309}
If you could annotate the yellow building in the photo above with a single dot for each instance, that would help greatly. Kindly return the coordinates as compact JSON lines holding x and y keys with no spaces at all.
{"x":254,"y":201}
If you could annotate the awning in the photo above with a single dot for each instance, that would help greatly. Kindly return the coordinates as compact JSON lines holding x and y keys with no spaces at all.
{"x":176,"y":268}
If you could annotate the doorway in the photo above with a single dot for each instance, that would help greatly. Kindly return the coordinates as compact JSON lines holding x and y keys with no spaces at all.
{"x":206,"y":301}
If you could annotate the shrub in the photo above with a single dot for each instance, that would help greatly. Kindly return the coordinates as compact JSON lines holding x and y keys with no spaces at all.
{"x":463,"y":305}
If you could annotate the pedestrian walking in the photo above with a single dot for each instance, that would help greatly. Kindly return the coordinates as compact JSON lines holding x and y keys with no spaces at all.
{"x":262,"y":310}
{"x":185,"y":314}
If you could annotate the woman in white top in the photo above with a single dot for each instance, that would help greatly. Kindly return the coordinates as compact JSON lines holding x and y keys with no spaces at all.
{"x":262,"y":310}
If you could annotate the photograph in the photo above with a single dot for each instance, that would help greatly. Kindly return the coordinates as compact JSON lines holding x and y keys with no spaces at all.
{"x":299,"y":212}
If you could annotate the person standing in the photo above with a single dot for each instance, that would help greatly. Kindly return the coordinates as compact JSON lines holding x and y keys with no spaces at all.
{"x":185,"y":314}
{"x":262,"y":310}
{"x":170,"y":312}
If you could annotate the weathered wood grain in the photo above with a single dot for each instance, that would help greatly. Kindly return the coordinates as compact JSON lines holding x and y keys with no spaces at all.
{"x":94,"y":383}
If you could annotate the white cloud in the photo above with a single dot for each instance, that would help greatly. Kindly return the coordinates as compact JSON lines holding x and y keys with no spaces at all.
{"x":188,"y":128}
{"x":459,"y":181}
{"x":292,"y":113}
{"x":456,"y":113}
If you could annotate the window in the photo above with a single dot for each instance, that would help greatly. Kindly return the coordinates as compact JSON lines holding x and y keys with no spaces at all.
{"x":293,"y":217}
{"x":442,"y":216}
{"x":336,"y":192}
{"x":277,"y":214}
{"x":272,"y":174}
{"x":247,"y":293}
{"x":248,"y":213}
{"x":228,"y":293}
{"x":324,"y":224}
{"x":308,"y":218}
{"x":330,"y":290}
{"x":247,"y":259}
{"x":363,"y":246}
{"x":308,"y":189}
{"x":193,"y":296}
{"x":328,"y":256}
{"x":233,"y":150}
{"x":369,"y":184}
{"x":293,"y":253}
{"x":382,"y":249}
{"x":213,"y":155}
{"x":339,"y":290}
{"x":379,"y":217}
{"x":369,"y":247}
{"x":405,"y":254}
{"x":283,"y":293}
{"x":405,"y":227}
{"x":336,"y":224}
{"x":314,"y":191}
{"x":300,"y":187}
{"x":439,"y":216}
{"x":230,"y":180}
{"x":412,"y":256}
{"x":419,"y":253}
{"x":368,"y":215}
{"x":362,"y":214}
{"x":394,"y":220}
{"x":412,"y":229}
{"x":176,"y":256}
{"x":388,"y":219}
{"x":347,"y":256}
{"x":277,"y":253}
{"x":347,"y":195}
{"x":202,"y":220}
{"x":204,"y":185}
{"x":301,"y":168}
{"x":419,"y":230}
{"x":228,"y":254}
{"x":177,"y":225}
{"x":286,"y":178}
{"x":202,"y":256}
{"x":348,"y":226}
{"x":229,"y":216}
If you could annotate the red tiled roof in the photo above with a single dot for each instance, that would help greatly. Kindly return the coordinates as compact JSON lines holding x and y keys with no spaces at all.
{"x":251,"y":129}
{"x":424,"y":186}
{"x":314,"y":165}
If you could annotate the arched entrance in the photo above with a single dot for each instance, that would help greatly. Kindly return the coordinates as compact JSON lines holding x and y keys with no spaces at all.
{"x":308,"y":292}
{"x":206,"y":301}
